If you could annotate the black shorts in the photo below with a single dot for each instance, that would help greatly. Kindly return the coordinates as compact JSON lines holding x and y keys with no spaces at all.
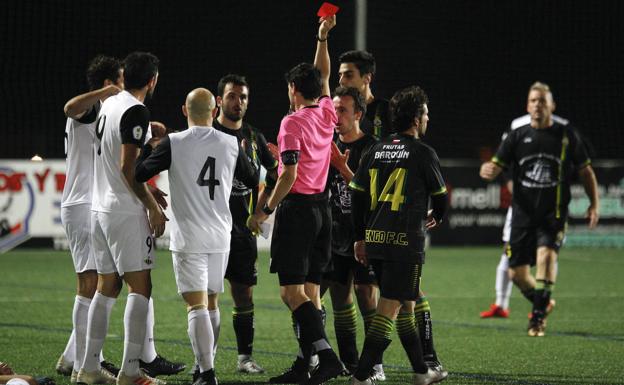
{"x":524,"y":241}
{"x":397,"y":280}
{"x":241,"y":266}
{"x":301,"y":240}
{"x":342,"y":267}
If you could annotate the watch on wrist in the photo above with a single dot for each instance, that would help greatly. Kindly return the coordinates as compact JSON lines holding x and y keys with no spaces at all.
{"x":267,"y":210}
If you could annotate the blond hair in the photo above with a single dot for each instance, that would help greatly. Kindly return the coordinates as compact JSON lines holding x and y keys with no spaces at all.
{"x":539,"y":86}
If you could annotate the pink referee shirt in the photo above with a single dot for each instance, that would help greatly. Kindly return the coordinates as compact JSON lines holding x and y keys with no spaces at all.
{"x":309,"y":131}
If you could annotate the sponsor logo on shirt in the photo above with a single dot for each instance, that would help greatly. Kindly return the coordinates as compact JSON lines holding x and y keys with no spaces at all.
{"x":137,"y":132}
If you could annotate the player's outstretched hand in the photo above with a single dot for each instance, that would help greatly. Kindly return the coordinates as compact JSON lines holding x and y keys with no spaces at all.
{"x":158,"y":129}
{"x":359,"y":248}
{"x":431,"y":221}
{"x":159,"y":195}
{"x":337,"y":159}
{"x":273,"y":150}
{"x":592,"y":216}
{"x":157,"y":220}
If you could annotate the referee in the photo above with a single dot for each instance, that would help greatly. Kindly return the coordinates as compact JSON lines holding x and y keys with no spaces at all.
{"x":300,"y":247}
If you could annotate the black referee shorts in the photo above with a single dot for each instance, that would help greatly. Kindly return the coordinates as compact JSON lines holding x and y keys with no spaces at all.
{"x":301,"y":242}
{"x":525,"y":240}
{"x":397,"y":280}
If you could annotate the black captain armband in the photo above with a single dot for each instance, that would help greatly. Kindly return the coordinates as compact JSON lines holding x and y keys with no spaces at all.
{"x":290,"y":157}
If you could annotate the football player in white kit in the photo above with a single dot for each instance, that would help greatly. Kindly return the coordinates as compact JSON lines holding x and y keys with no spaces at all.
{"x":82,"y":111}
{"x":500,"y":308}
{"x":105,"y":78}
{"x":202,"y":163}
{"x":121,"y":232}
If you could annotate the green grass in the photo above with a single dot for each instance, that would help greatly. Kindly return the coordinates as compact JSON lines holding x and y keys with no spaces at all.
{"x":584,"y":342}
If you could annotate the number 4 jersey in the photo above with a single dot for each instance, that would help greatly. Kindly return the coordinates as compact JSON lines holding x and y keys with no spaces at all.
{"x":399,"y":173}
{"x":202,"y":164}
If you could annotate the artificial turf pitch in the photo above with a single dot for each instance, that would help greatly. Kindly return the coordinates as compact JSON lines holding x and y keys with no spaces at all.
{"x":584,"y":343}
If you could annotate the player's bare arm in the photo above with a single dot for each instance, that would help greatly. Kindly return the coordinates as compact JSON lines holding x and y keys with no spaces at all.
{"x":321,"y":58}
{"x":77,"y":106}
{"x":282,"y":188}
{"x":489,"y":171}
{"x":264,"y":195}
{"x":157,"y":219}
{"x":588,"y":177}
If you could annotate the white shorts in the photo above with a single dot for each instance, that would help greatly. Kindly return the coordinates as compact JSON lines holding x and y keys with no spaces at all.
{"x":76,"y":221}
{"x":121,"y":243}
{"x":507,"y":226}
{"x":199,"y":271}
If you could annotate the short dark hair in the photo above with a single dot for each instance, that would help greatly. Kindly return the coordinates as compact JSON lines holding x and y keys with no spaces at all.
{"x":405,"y":106}
{"x":237,"y":80}
{"x":307,"y":80}
{"x":100,"y":68}
{"x":139,"y":69}
{"x":363,"y":60}
{"x":359,"y":104}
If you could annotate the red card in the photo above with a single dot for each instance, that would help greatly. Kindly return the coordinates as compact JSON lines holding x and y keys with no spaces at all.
{"x":327,"y":10}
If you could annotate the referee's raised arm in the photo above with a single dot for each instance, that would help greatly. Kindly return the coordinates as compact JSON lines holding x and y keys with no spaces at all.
{"x":321,"y":57}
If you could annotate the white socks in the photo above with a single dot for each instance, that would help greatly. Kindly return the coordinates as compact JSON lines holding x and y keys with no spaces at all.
{"x":202,"y":338}
{"x":80,"y":317}
{"x":97,"y":327}
{"x":135,"y":317}
{"x":149,"y":349}
{"x":503,"y":283}
{"x":215,"y":320}
{"x":69,"y":354}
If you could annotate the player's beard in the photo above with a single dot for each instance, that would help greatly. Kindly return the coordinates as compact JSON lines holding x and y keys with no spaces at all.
{"x":233,"y":117}
{"x":148,"y":96}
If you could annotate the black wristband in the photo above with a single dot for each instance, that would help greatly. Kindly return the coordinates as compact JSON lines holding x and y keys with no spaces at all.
{"x":322,"y":40}
{"x":267,"y":210}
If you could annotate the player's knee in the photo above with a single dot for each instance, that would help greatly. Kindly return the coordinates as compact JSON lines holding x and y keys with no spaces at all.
{"x":242,"y":295}
{"x":407,"y":307}
{"x":87,"y":283}
{"x":293,"y":297}
{"x":109,"y":285}
{"x":213,"y":301}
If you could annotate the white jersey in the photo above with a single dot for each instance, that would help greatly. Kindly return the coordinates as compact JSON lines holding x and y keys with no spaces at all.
{"x":202,"y":167}
{"x":111,"y":192}
{"x":79,"y":139}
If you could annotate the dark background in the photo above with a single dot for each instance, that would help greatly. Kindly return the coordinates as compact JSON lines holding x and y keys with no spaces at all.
{"x":475,"y":59}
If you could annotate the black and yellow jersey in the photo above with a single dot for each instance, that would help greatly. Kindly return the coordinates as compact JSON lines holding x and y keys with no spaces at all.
{"x":399,"y":174}
{"x":543,"y":162}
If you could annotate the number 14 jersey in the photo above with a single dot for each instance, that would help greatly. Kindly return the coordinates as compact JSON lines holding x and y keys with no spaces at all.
{"x":399,"y":173}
